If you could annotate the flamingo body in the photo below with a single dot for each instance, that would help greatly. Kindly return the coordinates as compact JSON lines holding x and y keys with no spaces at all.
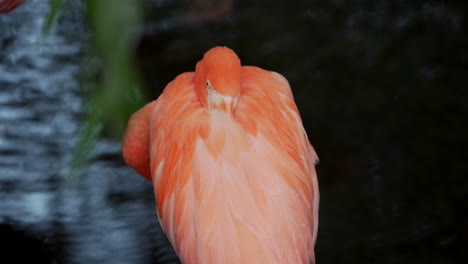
{"x":232,"y":169}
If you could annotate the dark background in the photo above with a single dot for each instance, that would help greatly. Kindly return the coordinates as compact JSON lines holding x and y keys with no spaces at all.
{"x":381,"y":87}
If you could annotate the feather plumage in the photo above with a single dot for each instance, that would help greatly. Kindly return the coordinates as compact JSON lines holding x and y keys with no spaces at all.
{"x":231,"y":187}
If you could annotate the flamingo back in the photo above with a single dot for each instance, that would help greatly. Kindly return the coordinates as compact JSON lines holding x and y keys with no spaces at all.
{"x":234,"y":187}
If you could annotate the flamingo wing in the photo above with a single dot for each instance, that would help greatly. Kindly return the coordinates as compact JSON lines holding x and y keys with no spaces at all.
{"x":267,"y":107}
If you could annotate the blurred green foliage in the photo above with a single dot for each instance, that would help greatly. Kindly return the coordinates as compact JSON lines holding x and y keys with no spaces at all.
{"x":55,"y":8}
{"x":115,"y":88}
{"x":110,"y":81}
{"x":109,"y":75}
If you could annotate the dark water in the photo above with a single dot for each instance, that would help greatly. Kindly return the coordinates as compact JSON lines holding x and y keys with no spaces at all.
{"x":381,"y":86}
{"x":107,"y":217}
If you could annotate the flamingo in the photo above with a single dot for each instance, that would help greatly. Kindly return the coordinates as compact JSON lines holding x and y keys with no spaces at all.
{"x":8,"y":5}
{"x":232,"y":168}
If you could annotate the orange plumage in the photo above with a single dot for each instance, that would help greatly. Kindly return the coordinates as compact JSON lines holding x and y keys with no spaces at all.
{"x":232,"y":169}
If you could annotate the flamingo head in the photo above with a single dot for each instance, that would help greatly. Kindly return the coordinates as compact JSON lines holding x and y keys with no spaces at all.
{"x":218,"y":79}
